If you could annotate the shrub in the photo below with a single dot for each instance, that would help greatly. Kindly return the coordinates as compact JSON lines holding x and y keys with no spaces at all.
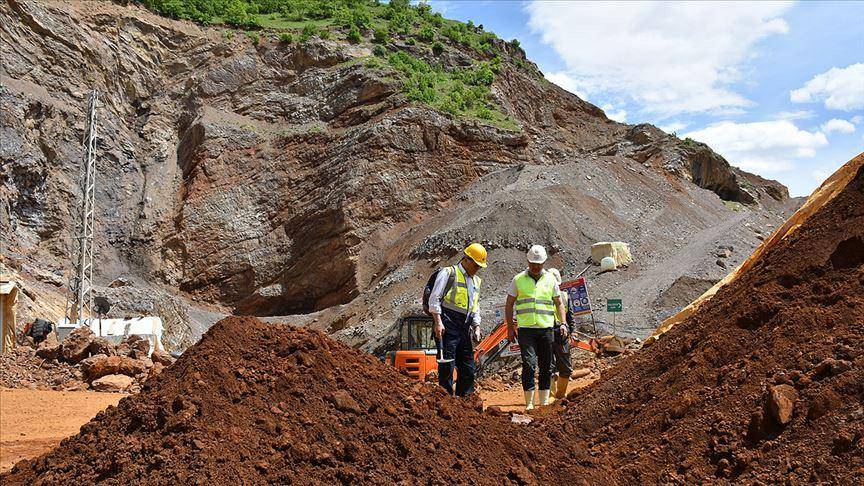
{"x":324,"y":34}
{"x":437,"y":49}
{"x":426,"y":34}
{"x":437,"y":19}
{"x":410,"y":41}
{"x":286,"y":37}
{"x":381,"y":35}
{"x":379,"y":51}
{"x":308,"y":32}
{"x":515,"y":43}
{"x":254,"y":37}
{"x":354,"y":34}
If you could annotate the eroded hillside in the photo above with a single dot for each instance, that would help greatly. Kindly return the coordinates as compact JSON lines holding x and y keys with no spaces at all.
{"x":248,"y":174}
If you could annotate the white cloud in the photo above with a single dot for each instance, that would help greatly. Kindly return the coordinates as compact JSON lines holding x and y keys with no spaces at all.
{"x":670,"y":57}
{"x":794,"y":115}
{"x":619,"y":115}
{"x":839,"y":88}
{"x":673,"y":127}
{"x":837,"y":125}
{"x":565,"y":81}
{"x":763,"y":147}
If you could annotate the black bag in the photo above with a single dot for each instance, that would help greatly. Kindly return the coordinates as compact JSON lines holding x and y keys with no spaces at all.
{"x":427,"y":290}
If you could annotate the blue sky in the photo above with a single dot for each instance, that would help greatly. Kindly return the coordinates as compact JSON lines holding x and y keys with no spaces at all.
{"x":775,"y":87}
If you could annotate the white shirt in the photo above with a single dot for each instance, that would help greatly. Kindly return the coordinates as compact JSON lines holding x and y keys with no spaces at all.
{"x":438,"y":292}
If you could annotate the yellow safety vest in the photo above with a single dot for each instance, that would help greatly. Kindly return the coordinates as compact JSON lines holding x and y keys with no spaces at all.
{"x":535,"y":304}
{"x":457,"y":298}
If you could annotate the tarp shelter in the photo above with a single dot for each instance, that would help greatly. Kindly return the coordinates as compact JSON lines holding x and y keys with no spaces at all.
{"x":117,"y":329}
{"x":8,"y":321}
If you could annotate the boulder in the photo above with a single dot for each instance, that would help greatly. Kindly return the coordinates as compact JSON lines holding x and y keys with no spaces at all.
{"x":343,"y":401}
{"x":101,"y":365}
{"x":139,"y":347}
{"x":162,"y":357}
{"x":831,"y":366}
{"x":619,"y":251}
{"x":781,"y":403}
{"x":77,"y":346}
{"x":49,"y":348}
{"x":101,"y":345}
{"x":112,"y":383}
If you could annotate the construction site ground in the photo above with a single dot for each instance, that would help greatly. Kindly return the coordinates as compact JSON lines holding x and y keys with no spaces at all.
{"x":32,"y":422}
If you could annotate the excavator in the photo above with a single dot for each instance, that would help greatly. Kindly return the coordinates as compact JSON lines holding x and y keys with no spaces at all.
{"x":418,"y":356}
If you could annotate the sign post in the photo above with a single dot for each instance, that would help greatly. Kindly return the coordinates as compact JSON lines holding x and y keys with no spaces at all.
{"x":614,"y":306}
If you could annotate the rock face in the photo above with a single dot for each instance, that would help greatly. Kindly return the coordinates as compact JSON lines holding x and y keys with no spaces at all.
{"x":271,"y":179}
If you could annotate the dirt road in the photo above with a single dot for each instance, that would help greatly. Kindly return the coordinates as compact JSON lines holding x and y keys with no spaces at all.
{"x":510,"y":398}
{"x":33,"y":422}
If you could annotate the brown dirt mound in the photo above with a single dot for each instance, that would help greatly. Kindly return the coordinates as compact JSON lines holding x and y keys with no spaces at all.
{"x":255,"y":403}
{"x":706,"y":401}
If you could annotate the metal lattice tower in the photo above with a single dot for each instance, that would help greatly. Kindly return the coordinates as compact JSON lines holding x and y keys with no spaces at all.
{"x":81,"y":285}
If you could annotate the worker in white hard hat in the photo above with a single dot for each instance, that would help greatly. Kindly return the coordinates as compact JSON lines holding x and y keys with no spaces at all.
{"x":535,"y":295}
{"x":454,"y":304}
{"x":562,"y":366}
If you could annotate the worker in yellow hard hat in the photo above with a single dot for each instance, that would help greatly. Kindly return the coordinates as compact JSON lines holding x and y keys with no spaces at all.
{"x":454,"y":306}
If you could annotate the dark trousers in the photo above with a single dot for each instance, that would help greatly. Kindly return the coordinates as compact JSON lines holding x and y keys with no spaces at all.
{"x":535,"y":345}
{"x":561,"y":355}
{"x":457,"y":345}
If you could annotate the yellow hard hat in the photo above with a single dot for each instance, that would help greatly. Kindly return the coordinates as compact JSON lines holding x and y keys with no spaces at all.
{"x":476,"y":252}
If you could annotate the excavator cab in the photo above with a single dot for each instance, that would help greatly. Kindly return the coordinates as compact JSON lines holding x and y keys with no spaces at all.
{"x":416,"y":355}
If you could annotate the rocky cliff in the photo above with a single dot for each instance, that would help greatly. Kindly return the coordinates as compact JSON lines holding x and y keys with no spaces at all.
{"x":256,"y":176}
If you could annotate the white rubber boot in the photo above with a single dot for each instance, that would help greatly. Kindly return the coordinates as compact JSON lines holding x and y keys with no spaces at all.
{"x":544,"y":398}
{"x":529,"y":400}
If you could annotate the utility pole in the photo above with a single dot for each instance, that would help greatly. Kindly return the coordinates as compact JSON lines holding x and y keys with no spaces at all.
{"x":81,"y":285}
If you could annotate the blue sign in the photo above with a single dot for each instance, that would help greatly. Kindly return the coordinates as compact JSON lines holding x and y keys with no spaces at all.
{"x":577,"y":291}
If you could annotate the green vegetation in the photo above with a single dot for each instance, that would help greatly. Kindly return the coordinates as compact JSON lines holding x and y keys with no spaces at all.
{"x":733,"y":205}
{"x":459,"y":91}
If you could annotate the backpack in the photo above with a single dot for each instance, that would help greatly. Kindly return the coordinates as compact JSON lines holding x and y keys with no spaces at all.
{"x":427,"y":290}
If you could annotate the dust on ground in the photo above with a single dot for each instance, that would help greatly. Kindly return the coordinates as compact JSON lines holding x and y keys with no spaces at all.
{"x":32,"y":422}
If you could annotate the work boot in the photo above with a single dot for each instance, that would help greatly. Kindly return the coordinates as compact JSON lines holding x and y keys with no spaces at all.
{"x":529,"y":400}
{"x":553,"y":384}
{"x":544,"y":398}
{"x":561,"y":387}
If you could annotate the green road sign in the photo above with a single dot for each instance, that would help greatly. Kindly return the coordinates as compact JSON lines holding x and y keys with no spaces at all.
{"x":614,"y":305}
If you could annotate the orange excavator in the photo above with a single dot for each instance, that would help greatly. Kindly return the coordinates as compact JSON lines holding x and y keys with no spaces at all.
{"x":418,"y":355}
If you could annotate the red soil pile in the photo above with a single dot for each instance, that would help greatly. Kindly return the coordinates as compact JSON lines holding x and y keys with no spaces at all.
{"x":765,"y":384}
{"x":267,"y":403}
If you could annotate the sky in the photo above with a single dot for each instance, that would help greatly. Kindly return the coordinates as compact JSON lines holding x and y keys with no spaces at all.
{"x":777,"y":88}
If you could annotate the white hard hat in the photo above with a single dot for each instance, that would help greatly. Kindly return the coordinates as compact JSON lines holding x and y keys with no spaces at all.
{"x":537,"y":254}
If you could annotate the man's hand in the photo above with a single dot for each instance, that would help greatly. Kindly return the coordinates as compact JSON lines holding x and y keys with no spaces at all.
{"x":476,"y":334}
{"x":512,"y":333}
{"x":563,"y":329}
{"x":439,"y":326}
